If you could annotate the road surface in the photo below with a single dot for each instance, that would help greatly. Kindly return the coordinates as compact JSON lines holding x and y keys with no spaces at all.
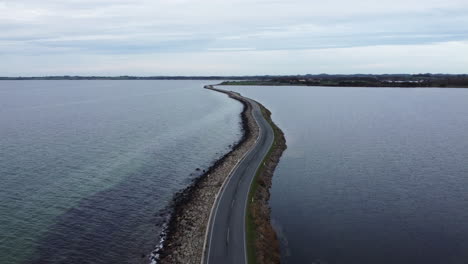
{"x":226,"y":239}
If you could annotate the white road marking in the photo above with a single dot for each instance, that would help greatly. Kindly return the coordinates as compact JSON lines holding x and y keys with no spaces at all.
{"x":214,"y":208}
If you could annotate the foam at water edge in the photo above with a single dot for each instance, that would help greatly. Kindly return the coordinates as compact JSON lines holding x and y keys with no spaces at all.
{"x":154,"y":256}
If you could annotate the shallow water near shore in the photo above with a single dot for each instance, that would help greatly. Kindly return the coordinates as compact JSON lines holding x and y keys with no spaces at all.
{"x":370,"y":175}
{"x":86,"y":167}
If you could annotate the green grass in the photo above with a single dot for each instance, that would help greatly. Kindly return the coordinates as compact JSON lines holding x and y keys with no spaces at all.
{"x":250,"y":225}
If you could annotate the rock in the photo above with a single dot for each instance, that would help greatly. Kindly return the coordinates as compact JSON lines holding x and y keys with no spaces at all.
{"x":186,"y":229}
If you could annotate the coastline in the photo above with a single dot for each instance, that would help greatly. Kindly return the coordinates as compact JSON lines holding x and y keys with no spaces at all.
{"x":263,"y":243}
{"x":184,"y":237}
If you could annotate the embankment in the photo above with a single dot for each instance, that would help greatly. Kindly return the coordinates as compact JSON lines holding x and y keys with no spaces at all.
{"x":263,"y":244}
{"x":185,"y":234}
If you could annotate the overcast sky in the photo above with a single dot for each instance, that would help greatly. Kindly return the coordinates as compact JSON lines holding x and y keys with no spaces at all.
{"x":236,"y":37}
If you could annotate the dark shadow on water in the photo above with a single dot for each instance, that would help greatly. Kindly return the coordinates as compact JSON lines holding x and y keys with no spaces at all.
{"x":118,"y":225}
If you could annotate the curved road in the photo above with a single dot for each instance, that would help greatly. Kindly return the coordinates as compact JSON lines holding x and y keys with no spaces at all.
{"x":226,"y":234}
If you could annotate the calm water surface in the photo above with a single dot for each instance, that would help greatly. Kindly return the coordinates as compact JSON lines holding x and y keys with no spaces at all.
{"x":86,"y":166}
{"x":371,"y":175}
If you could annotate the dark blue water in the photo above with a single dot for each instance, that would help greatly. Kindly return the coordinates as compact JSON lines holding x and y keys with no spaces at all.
{"x":87,"y":166}
{"x":371,"y":175}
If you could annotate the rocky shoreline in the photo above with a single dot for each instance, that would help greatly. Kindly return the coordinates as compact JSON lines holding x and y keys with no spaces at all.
{"x":185,"y":232}
{"x":183,"y":240}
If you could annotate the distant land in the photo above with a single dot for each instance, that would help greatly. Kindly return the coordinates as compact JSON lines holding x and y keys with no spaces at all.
{"x":352,"y":80}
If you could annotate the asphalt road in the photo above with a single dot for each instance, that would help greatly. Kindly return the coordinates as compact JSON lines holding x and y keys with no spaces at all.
{"x":226,"y":240}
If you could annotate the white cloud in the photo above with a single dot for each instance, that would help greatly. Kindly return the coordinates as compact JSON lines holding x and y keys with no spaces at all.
{"x":371,"y":59}
{"x":105,"y":30}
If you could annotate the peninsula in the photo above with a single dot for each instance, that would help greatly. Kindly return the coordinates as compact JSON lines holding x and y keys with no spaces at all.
{"x":223,"y":217}
{"x":361,"y":80}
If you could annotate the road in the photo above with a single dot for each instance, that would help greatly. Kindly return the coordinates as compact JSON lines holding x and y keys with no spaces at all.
{"x":226,"y":239}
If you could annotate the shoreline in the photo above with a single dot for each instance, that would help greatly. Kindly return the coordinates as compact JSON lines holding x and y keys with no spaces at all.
{"x":262,"y":239}
{"x":344,"y":86}
{"x":183,"y":239}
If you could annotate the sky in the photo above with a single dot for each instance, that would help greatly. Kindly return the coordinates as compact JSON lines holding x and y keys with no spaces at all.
{"x":236,"y":37}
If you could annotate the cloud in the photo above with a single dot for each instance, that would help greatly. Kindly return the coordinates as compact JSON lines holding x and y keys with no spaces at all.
{"x":436,"y":57}
{"x":172,"y":29}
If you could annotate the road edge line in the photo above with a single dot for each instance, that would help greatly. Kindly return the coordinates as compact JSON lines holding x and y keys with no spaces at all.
{"x":221,"y":190}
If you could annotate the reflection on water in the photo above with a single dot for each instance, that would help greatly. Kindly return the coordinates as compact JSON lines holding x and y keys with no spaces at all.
{"x":371,"y":175}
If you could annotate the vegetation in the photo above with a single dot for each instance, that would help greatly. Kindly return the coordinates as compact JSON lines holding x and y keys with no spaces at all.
{"x":355,"y":80}
{"x":262,"y":242}
{"x":362,"y":80}
{"x":66,"y":77}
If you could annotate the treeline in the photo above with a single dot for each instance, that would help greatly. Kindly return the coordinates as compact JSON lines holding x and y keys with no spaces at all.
{"x":66,"y":77}
{"x":361,"y":80}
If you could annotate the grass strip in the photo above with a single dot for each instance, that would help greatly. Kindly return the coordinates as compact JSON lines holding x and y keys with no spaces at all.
{"x":251,"y":227}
